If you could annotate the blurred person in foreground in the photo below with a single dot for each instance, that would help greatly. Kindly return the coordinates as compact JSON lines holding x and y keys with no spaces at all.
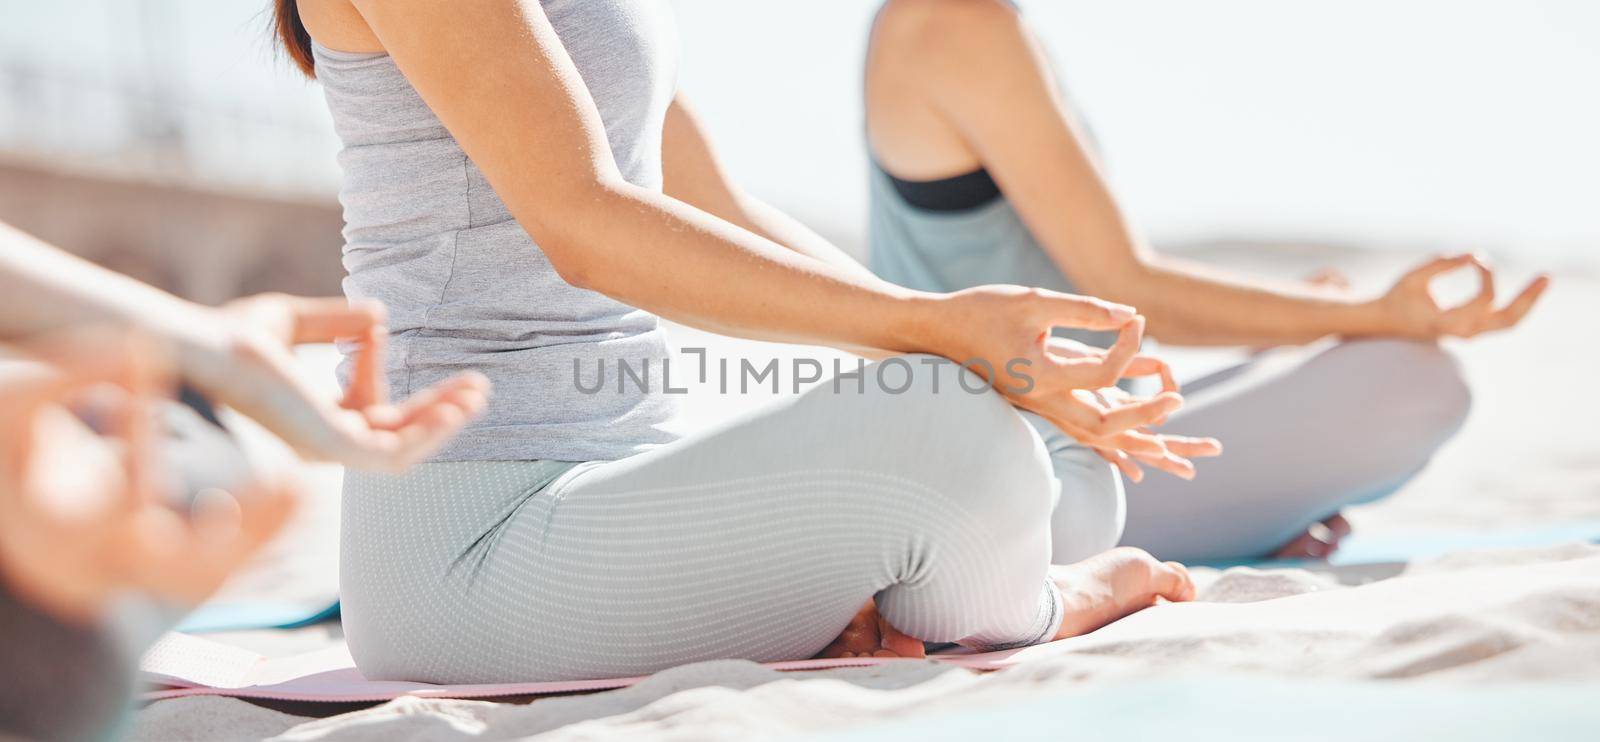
{"x":121,"y":508}
{"x":982,"y":175}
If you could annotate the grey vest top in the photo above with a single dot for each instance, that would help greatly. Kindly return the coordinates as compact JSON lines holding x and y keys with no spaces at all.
{"x":466,"y":287}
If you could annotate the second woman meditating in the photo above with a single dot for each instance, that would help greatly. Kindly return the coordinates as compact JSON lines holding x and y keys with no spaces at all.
{"x":526,"y":191}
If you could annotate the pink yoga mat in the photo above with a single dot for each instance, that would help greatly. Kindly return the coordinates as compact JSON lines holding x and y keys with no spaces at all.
{"x":184,"y":665}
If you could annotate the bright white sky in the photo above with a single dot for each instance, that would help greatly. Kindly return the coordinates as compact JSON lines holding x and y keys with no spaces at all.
{"x":1467,"y":122}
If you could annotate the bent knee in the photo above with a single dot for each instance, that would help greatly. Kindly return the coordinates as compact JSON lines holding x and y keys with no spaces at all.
{"x":1424,"y":390}
{"x":1005,"y":474}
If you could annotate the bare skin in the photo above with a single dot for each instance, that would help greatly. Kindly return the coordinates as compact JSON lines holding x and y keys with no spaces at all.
{"x":957,"y":85}
{"x":73,"y":537}
{"x":1094,"y":592}
{"x":241,"y":355}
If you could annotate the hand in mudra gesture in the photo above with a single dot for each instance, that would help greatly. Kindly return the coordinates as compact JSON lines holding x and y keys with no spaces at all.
{"x":1070,"y":384}
{"x":1409,"y":308}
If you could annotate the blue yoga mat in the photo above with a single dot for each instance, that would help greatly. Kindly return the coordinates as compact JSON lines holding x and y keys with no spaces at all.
{"x":1404,"y":547}
{"x":242,"y":616}
{"x":1226,"y":708}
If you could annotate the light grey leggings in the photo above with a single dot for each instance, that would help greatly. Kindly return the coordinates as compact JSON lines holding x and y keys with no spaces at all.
{"x":1306,"y":432}
{"x":758,"y":539}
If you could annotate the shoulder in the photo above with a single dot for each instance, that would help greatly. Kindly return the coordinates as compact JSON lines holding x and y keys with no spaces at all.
{"x":952,"y":42}
{"x":935,"y":25}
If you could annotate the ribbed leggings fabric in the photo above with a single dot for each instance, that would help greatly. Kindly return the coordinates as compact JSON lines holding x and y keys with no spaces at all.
{"x":757,"y":539}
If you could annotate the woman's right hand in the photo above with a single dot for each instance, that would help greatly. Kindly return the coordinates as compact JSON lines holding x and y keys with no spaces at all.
{"x":241,"y":356}
{"x":1004,"y":332}
{"x":83,"y":518}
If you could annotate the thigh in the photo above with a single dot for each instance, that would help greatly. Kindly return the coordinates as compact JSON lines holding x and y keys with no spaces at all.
{"x":1305,"y":432}
{"x":759,"y":538}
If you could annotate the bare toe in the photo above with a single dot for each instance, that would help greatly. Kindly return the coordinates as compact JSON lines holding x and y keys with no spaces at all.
{"x":1318,"y":542}
{"x":898,"y":643}
{"x":869,"y":635}
{"x":1340,"y":527}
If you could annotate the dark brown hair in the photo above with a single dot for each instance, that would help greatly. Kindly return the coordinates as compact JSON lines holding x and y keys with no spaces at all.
{"x":293,"y":36}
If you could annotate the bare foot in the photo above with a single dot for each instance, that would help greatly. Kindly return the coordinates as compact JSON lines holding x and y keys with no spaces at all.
{"x":1318,"y":542}
{"x":1116,"y":583}
{"x":868,"y":635}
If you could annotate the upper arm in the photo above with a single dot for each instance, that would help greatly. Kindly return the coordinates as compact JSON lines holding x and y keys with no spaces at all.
{"x":499,"y":79}
{"x":1011,"y":112}
{"x":691,"y":170}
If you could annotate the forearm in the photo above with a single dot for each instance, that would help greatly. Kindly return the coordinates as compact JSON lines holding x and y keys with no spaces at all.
{"x":48,"y":289}
{"x":664,"y":256}
{"x":764,"y":220}
{"x":789,"y":232}
{"x":1188,"y":303}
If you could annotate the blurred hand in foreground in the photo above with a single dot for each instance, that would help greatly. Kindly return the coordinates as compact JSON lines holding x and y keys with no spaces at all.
{"x":246,"y":362}
{"x":82,"y":516}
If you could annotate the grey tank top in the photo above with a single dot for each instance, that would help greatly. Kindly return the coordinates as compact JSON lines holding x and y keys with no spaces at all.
{"x":467,"y":288}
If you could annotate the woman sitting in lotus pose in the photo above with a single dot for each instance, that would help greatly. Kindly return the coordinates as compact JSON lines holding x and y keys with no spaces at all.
{"x":526,"y":191}
{"x":983,"y":176}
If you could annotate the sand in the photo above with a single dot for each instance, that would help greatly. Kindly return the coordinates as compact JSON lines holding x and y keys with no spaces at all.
{"x":1469,"y":625}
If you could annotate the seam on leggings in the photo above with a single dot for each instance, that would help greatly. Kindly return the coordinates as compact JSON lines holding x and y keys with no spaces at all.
{"x":479,"y":548}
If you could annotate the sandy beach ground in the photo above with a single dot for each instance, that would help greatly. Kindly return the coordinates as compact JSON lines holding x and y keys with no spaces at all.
{"x":1479,"y":630}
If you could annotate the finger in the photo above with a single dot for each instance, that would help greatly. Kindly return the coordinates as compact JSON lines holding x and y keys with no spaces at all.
{"x":1175,"y":583}
{"x":136,"y":423}
{"x":1468,"y":319}
{"x":1056,"y":309}
{"x":221,"y":536}
{"x":1069,"y":348}
{"x":1519,"y":307}
{"x":1484,"y":301}
{"x":1123,"y":462}
{"x":1170,"y":463}
{"x":467,"y":391}
{"x":1192,"y":447}
{"x":323,"y":320}
{"x":368,"y":385}
{"x":395,"y":450}
{"x":1143,"y":365}
{"x":1425,"y":273}
{"x":1122,"y":352}
{"x":1128,"y":416}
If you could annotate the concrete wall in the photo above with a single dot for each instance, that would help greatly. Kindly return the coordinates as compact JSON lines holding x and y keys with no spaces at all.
{"x":203,"y":245}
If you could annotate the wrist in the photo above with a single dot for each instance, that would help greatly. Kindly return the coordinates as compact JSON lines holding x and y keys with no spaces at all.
{"x":927,"y":323}
{"x":1364,"y":318}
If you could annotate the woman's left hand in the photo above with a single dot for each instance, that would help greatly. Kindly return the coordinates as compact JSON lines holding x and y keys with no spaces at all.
{"x":1410,"y":310}
{"x":1141,"y":365}
{"x":1177,"y":450}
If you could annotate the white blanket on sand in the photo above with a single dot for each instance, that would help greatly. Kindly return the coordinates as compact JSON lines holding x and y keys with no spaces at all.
{"x":1470,"y":618}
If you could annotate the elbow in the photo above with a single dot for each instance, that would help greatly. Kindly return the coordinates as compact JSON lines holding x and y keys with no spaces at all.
{"x":569,"y":231}
{"x":573,"y":268}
